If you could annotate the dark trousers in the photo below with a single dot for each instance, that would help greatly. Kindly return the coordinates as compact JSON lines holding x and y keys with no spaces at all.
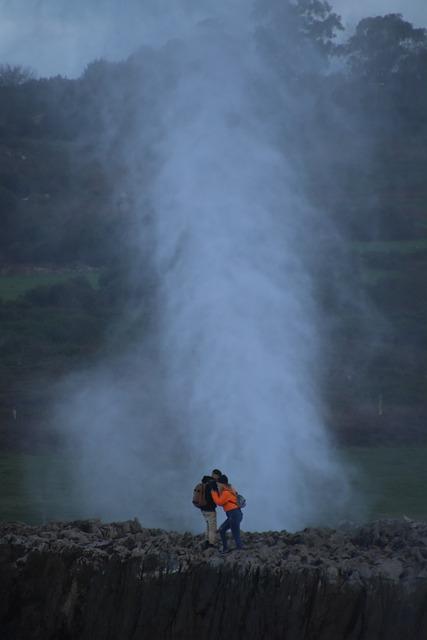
{"x":234,"y":518}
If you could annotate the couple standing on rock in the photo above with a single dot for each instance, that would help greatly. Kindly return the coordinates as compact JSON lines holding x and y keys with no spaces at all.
{"x":213,"y":491}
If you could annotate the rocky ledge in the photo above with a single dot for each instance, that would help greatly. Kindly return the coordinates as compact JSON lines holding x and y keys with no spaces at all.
{"x":87,"y":580}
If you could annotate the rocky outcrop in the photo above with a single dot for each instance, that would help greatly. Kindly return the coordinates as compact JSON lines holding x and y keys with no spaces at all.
{"x":92,"y":581}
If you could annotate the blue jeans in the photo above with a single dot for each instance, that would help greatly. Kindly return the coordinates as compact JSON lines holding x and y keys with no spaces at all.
{"x":234,"y":518}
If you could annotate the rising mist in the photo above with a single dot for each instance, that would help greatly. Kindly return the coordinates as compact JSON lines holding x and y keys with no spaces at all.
{"x":225,"y":371}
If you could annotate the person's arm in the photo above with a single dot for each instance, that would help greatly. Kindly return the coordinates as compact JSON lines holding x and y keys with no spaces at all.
{"x":219,"y":500}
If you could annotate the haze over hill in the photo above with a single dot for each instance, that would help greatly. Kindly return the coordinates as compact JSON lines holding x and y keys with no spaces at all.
{"x":351,"y":12}
{"x":58,"y":37}
{"x":106,"y":172}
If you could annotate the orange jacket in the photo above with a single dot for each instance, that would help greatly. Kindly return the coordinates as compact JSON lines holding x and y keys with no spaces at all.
{"x":227,"y":499}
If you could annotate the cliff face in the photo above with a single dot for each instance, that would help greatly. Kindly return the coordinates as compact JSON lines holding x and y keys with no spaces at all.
{"x":91,"y":581}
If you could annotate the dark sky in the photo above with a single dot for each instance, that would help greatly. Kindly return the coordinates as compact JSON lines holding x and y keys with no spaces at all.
{"x":61,"y":36}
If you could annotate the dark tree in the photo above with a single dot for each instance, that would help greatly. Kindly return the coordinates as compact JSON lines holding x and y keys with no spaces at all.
{"x":297,"y":36}
{"x":384,"y":46}
{"x":14,"y":75}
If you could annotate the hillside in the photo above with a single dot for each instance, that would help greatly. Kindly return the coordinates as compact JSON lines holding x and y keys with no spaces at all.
{"x":68,"y":183}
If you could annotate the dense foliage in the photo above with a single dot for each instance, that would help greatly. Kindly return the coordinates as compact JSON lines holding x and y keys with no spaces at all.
{"x":63,"y":151}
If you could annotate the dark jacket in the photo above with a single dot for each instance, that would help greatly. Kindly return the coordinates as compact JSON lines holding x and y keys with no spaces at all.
{"x":210,"y":486}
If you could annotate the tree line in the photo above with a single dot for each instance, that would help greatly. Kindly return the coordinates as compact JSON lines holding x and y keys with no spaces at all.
{"x":364,"y":151}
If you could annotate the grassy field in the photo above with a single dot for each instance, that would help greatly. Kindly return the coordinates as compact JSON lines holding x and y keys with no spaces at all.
{"x":396,"y":247}
{"x":35,"y":488}
{"x":11,"y":287}
{"x":393,"y":481}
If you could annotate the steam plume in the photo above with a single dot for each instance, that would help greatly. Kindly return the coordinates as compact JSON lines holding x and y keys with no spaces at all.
{"x":225,"y":374}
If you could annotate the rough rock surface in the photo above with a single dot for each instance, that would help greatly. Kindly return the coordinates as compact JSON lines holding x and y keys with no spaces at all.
{"x":87,"y":580}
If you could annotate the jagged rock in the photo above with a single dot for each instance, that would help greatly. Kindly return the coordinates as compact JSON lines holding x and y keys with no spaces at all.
{"x":88,"y":580}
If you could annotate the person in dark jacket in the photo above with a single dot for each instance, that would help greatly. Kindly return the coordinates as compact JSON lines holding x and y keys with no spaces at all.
{"x":209,"y":511}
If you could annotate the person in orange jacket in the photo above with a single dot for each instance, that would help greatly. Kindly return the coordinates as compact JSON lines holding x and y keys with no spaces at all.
{"x":226,"y":497}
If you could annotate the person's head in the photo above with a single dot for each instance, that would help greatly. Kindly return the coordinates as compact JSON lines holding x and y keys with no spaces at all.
{"x":216,"y":474}
{"x":222,"y":481}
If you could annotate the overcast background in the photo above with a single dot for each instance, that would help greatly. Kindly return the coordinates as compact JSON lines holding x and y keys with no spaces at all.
{"x":353,"y":10}
{"x":61,"y":37}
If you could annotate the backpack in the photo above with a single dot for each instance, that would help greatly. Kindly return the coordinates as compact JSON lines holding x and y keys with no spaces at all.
{"x":241,"y":501}
{"x":199,"y":495}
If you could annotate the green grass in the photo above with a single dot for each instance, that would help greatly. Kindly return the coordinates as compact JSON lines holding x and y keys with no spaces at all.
{"x":11,"y":287}
{"x":377,"y":276}
{"x":35,"y":488}
{"x":392,"y":480}
{"x":397,"y":247}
